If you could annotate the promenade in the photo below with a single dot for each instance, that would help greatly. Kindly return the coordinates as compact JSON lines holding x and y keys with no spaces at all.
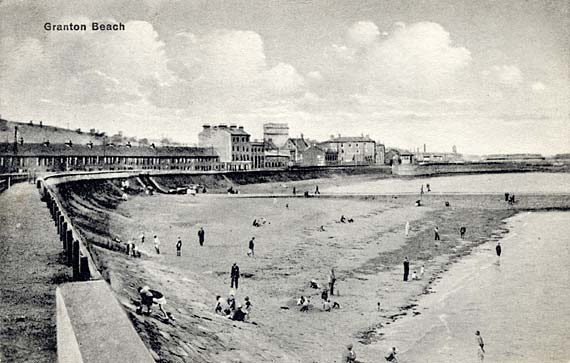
{"x":30,"y":271}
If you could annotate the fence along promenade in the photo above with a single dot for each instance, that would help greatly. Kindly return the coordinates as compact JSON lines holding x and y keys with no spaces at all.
{"x":91,"y":324}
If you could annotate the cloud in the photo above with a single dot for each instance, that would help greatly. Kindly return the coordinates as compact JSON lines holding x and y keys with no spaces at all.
{"x":82,"y":67}
{"x":414,"y":58}
{"x":538,"y":87}
{"x":505,"y":75}
{"x":362,"y":33}
{"x":223,"y":69}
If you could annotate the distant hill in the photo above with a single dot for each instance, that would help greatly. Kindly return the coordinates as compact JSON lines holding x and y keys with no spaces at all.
{"x":33,"y":133}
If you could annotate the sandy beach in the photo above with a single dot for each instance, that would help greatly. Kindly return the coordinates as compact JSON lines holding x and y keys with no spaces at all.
{"x":290,"y":250}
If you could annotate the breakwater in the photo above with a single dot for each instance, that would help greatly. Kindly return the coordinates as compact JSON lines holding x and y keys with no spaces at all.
{"x":476,"y":168}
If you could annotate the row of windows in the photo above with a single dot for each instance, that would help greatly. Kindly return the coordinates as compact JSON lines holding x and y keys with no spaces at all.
{"x":239,"y":139}
{"x":238,"y":148}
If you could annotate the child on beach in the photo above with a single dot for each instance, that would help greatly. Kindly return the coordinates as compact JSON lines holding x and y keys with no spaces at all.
{"x":415,"y":276}
{"x":157,"y":244}
{"x":150,"y":297}
{"x":178,"y":246}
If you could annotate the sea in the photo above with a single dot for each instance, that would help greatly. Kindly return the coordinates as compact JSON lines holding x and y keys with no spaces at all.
{"x":519,"y":302}
{"x":517,"y":183}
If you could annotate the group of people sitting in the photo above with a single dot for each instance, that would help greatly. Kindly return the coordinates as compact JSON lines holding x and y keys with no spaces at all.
{"x":510,"y":198}
{"x":259,"y":222}
{"x":230,"y":309}
{"x":343,"y":219}
{"x":231,"y":190}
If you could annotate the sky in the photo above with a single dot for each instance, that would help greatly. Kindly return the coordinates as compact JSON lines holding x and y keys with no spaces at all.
{"x":486,"y":76}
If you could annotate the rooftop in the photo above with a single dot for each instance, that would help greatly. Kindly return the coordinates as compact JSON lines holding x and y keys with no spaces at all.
{"x":100,"y":150}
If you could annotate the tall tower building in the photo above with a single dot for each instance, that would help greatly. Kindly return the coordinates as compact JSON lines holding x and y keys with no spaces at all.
{"x":278,"y":133}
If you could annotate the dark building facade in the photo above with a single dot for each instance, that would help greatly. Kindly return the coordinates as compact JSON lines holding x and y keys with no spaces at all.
{"x":68,"y":157}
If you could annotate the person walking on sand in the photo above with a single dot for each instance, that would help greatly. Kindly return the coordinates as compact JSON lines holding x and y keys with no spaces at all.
{"x":498,"y":249}
{"x":406,"y":268}
{"x":348,"y":356}
{"x":234,"y":275}
{"x":462,"y":231}
{"x":436,"y":232}
{"x":178,"y":246}
{"x":422,"y":271}
{"x":201,"y":235}
{"x":481,"y":344}
{"x":407,"y":228}
{"x":317,"y":190}
{"x":157,"y":244}
{"x":294,"y":191}
{"x":251,"y":247}
{"x":422,"y":190}
{"x":142,"y":238}
{"x":391,"y":357}
{"x":332,"y":280}
{"x":428,"y":188}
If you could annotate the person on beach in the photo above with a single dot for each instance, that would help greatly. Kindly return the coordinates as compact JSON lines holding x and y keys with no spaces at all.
{"x":178,"y":246}
{"x":406,"y":268}
{"x":150,"y":297}
{"x":142,"y":238}
{"x":415,"y":276}
{"x":322,"y":229}
{"x":378,"y":306}
{"x":156,"y":244}
{"x":234,"y":275}
{"x":391,"y":357}
{"x":294,"y":191}
{"x":305,"y":305}
{"x":407,"y":228}
{"x":480,"y":341}
{"x":136,"y":251}
{"x":301,"y":300}
{"x":418,"y":203}
{"x":327,"y":305}
{"x":231,"y":302}
{"x":248,"y":305}
{"x":219,"y":308}
{"x":422,"y":271}
{"x":498,"y":249}
{"x":436,"y":232}
{"x":251,"y":246}
{"x":462,"y":231}
{"x":348,"y":356}
{"x":238,"y":314}
{"x":324,"y":295}
{"x":332,"y":280}
{"x":506,"y":197}
{"x":317,"y":190}
{"x":201,"y":235}
{"x":428,"y":188}
{"x":422,"y":190}
{"x":342,"y":219}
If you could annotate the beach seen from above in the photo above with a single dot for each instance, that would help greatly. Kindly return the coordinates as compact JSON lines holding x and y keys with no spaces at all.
{"x":301,"y":241}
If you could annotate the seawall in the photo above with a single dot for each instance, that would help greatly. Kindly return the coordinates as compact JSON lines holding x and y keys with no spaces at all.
{"x":475,"y":168}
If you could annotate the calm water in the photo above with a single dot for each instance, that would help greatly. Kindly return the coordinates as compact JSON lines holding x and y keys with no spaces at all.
{"x":521,"y":305}
{"x":477,"y":183}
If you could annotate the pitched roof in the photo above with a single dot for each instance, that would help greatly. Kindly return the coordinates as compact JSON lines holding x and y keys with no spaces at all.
{"x":100,"y":150}
{"x":350,"y":139}
{"x":299,"y":143}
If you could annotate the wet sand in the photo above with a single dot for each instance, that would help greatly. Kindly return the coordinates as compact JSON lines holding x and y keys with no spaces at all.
{"x":519,"y":302}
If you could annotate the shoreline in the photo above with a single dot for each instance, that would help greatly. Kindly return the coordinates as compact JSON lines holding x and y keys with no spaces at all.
{"x":463,"y":292}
